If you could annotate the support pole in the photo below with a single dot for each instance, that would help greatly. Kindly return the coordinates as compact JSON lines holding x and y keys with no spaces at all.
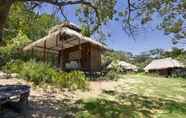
{"x":62,"y":55}
{"x":59,"y":59}
{"x":59,"y":52}
{"x":80,"y":53}
{"x":44,"y":51}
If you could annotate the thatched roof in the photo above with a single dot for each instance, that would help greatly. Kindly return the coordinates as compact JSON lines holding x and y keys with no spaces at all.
{"x":123,"y":65}
{"x":64,"y":24}
{"x":69,"y":32}
{"x":163,"y":64}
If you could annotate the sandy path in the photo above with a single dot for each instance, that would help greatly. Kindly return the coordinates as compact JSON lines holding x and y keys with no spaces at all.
{"x":96,"y":88}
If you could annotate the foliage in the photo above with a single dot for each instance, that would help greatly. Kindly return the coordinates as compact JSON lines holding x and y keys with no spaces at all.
{"x":135,"y":14}
{"x":104,"y":12}
{"x":72,"y":80}
{"x":111,"y":74}
{"x":118,"y":55}
{"x":13,"y":48}
{"x":38,"y":73}
{"x":141,"y":60}
{"x":29,"y":22}
{"x":176,"y":53}
{"x":85,"y":30}
{"x":169,"y":14}
{"x":32,"y":71}
{"x":146,"y":57}
{"x":132,"y":14}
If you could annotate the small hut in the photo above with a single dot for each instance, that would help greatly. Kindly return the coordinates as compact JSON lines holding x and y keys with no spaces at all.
{"x":124,"y":66}
{"x":72,"y":50}
{"x":166,"y":66}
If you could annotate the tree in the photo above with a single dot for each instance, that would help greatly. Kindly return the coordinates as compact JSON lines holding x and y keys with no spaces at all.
{"x":172,"y":16}
{"x":13,"y":47}
{"x":175,"y":53}
{"x":134,"y":14}
{"x":142,"y":59}
{"x":5,"y":6}
{"x":33,"y":25}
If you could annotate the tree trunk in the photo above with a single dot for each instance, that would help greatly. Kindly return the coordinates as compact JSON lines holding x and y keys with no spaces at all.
{"x":4,"y":10}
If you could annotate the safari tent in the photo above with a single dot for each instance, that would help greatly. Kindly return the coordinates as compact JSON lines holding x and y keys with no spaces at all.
{"x":166,"y":66}
{"x":71,"y":50}
{"x":123,"y":65}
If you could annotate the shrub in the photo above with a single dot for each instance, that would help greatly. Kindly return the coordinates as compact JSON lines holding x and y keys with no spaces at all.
{"x":12,"y":50}
{"x":72,"y":80}
{"x":110,"y":75}
{"x":38,"y":72}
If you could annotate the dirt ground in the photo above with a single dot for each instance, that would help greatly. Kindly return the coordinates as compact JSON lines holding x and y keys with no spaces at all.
{"x":50,"y":102}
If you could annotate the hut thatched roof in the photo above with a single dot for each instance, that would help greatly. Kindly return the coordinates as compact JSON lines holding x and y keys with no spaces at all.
{"x":163,"y":64}
{"x":69,"y":32}
{"x":123,"y":65}
{"x":65,"y":24}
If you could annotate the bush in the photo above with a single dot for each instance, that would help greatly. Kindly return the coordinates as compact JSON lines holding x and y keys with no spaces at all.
{"x":179,"y":73}
{"x":72,"y":80}
{"x":32,"y":71}
{"x":12,"y":49}
{"x":110,"y":75}
{"x":38,"y":72}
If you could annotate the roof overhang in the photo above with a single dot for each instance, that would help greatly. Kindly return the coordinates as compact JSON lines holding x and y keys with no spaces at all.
{"x":54,"y":42}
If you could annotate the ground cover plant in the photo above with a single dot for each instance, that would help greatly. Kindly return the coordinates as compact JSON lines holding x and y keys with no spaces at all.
{"x":39,"y":72}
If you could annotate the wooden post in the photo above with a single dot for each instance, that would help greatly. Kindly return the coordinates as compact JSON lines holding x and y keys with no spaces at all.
{"x":57,"y":41}
{"x":62,"y":56}
{"x":59,"y":59}
{"x":44,"y":51}
{"x":59,"y":53}
{"x":80,"y":53}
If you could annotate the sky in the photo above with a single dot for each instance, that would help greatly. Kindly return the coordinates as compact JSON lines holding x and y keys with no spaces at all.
{"x":150,"y":38}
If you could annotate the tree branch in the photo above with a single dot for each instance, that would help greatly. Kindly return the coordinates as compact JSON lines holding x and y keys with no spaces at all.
{"x":129,"y":18}
{"x":62,"y":3}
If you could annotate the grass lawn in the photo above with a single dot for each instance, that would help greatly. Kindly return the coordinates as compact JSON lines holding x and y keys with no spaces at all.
{"x":138,"y":96}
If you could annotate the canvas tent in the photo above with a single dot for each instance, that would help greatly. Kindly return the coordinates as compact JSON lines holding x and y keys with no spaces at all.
{"x":164,"y":66}
{"x":123,"y":65}
{"x":73,"y":50}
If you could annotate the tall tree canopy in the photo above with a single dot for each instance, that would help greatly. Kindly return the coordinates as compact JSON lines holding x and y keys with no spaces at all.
{"x":171,"y":14}
{"x":33,"y":25}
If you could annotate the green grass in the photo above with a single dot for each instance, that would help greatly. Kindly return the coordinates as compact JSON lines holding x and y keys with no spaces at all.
{"x":139,"y":96}
{"x":170,"y":88}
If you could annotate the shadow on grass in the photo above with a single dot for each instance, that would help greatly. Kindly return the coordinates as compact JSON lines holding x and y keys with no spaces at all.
{"x":130,"y":105}
{"x":127,"y":105}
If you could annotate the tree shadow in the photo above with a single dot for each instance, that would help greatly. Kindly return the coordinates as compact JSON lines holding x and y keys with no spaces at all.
{"x":127,"y":105}
{"x":132,"y":105}
{"x":41,"y":107}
